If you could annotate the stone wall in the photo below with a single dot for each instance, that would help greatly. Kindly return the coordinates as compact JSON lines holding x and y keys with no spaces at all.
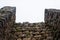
{"x":7,"y":20}
{"x":48,"y":30}
{"x":52,"y":21}
{"x":30,"y":31}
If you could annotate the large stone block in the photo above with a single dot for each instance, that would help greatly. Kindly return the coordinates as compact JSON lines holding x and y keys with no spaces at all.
{"x":7,"y":20}
{"x":52,"y":21}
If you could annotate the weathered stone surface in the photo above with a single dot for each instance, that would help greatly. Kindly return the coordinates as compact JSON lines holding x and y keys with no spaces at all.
{"x":7,"y":20}
{"x":48,"y":30}
{"x":52,"y":21}
{"x":36,"y":32}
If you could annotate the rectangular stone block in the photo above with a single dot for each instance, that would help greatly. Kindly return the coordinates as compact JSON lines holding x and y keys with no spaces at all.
{"x":52,"y":21}
{"x":7,"y":20}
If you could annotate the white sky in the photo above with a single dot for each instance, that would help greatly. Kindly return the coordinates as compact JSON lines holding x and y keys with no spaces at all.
{"x":30,"y":10}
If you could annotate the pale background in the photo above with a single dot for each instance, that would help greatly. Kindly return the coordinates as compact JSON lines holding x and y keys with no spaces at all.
{"x":30,"y":10}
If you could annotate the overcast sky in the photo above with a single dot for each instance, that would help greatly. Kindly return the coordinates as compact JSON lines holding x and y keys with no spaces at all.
{"x":30,"y":10}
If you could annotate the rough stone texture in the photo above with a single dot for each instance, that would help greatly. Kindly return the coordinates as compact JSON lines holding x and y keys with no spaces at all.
{"x":31,"y":31}
{"x":52,"y":21}
{"x":7,"y":20}
{"x":48,"y":30}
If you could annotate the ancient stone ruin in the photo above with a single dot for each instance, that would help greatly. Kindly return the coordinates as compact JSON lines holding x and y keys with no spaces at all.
{"x":48,"y":30}
{"x":7,"y":20}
